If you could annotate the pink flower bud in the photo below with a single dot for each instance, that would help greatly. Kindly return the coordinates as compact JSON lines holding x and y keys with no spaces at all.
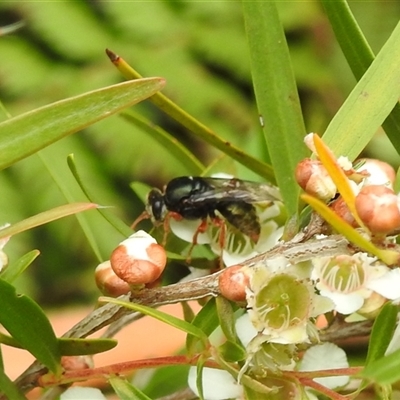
{"x":380,"y":172}
{"x":378,"y":208}
{"x":138,"y":259}
{"x":108,"y":282}
{"x":340,"y":208}
{"x":313,"y":178}
{"x":233,"y":282}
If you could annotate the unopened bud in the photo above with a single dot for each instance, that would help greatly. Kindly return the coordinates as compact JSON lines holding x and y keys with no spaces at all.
{"x":378,"y":208}
{"x":314,"y":179}
{"x":108,"y":282}
{"x":139,"y":259}
{"x":233,"y":282}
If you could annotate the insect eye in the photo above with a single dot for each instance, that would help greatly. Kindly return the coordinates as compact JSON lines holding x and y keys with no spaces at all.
{"x":155,"y":200}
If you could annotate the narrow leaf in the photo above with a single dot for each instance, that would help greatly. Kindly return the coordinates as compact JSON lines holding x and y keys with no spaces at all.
{"x":358,"y":54}
{"x":169,"y":142}
{"x":8,"y":388}
{"x":196,"y":127}
{"x":161,"y":316}
{"x":14,"y":270}
{"x":70,"y":346}
{"x":232,"y":352}
{"x":50,"y":157}
{"x":382,"y":332}
{"x":207,"y":321}
{"x":369,"y":103}
{"x":27,"y":323}
{"x":384,"y":371}
{"x":78,"y":347}
{"x":276,"y":94}
{"x":111,"y":218}
{"x":26,"y":134}
{"x":226,"y":318}
{"x":45,"y":217}
{"x":126,"y":391}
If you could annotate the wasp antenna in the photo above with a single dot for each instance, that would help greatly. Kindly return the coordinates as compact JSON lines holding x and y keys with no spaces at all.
{"x":141,"y":217}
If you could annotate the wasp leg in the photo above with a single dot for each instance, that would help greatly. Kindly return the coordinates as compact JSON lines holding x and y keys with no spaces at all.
{"x":166,"y":225}
{"x":220,"y":223}
{"x":200,"y":229}
{"x":141,"y":217}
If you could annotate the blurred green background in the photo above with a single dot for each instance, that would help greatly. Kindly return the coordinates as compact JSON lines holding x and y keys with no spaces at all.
{"x":200,"y":48}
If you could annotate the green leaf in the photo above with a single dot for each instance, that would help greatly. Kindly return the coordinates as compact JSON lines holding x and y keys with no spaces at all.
{"x":382,"y":332}
{"x":206,"y":320}
{"x":70,"y":346}
{"x":141,"y":190}
{"x":232,"y":352}
{"x":78,"y":347}
{"x":161,"y":316}
{"x":369,"y":103}
{"x":166,"y":380}
{"x":50,"y":158}
{"x":384,"y":371}
{"x":196,"y":127}
{"x":27,"y":323}
{"x":169,"y":142}
{"x":358,"y":55}
{"x":226,"y":318}
{"x":45,"y":217}
{"x":15,"y":269}
{"x":199,"y":377}
{"x":8,"y":388}
{"x":26,"y":134}
{"x":126,"y":391}
{"x":111,"y":218}
{"x":276,"y":94}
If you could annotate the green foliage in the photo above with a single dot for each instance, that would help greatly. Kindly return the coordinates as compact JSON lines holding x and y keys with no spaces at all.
{"x":212,"y":55}
{"x":28,"y":324}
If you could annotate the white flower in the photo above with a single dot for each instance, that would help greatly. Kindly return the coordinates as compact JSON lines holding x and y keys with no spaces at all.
{"x":80,"y":393}
{"x":388,"y":284}
{"x":186,"y":229}
{"x":245,"y":329}
{"x":349,"y":280}
{"x":236,"y":245}
{"x":217,"y":384}
{"x":325,"y":356}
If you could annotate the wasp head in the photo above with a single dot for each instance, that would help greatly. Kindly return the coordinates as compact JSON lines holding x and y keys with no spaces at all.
{"x":156,"y":205}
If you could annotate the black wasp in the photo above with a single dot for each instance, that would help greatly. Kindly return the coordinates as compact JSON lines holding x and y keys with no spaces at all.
{"x":196,"y":197}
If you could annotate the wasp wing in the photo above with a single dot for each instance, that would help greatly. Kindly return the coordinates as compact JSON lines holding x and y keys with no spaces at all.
{"x":222,"y":189}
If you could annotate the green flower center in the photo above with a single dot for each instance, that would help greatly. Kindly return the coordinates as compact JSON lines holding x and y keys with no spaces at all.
{"x":283,"y":303}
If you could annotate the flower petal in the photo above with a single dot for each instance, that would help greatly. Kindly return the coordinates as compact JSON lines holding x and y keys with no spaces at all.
{"x":217,"y":384}
{"x":345,"y":303}
{"x":387,"y":285}
{"x":245,"y":329}
{"x":326,"y":356}
{"x":79,"y":393}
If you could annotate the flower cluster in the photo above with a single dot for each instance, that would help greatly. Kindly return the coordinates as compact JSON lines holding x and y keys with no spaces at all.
{"x":285,"y":297}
